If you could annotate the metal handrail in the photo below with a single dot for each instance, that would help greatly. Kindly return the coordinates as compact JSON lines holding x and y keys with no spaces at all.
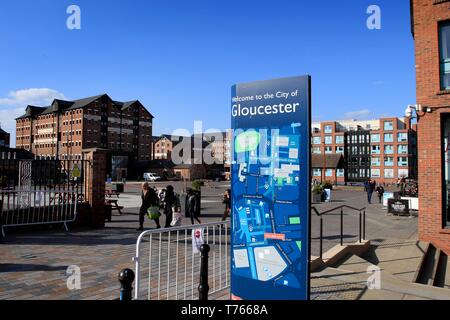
{"x":337,"y":208}
{"x":362,"y":223}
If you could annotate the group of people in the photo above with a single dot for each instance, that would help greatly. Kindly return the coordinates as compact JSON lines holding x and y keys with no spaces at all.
{"x":169,"y":202}
{"x":371,"y":186}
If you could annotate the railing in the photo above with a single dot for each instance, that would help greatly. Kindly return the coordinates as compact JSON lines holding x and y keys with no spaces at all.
{"x":362,"y":223}
{"x":29,"y":207}
{"x":168,"y":261}
{"x":40,"y":190}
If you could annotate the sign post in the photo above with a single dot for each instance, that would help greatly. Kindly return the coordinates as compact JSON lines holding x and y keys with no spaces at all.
{"x":271,"y":122}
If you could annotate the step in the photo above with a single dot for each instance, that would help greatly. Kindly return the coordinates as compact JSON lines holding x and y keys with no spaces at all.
{"x":434,"y":261}
{"x":353,"y":263}
{"x":400,"y":258}
{"x":433,"y":270}
{"x":335,"y":284}
{"x":447,"y":275}
{"x":392,"y":288}
{"x":441,"y":271}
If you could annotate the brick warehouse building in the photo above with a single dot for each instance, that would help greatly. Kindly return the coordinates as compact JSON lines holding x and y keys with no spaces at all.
{"x":65,"y":128}
{"x":4,"y":138}
{"x":431,"y":32}
{"x":383,"y":149}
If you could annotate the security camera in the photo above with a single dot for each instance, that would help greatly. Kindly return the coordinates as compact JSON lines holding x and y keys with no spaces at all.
{"x":409,"y":111}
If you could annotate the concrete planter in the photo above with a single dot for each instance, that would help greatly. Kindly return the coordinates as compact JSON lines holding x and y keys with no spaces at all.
{"x":317,"y":197}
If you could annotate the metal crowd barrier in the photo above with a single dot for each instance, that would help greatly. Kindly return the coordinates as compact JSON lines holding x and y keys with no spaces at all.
{"x":35,"y":207}
{"x":167,"y":266}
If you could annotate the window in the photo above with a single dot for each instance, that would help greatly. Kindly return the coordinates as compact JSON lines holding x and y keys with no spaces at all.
{"x":317,"y":140}
{"x":339,"y":149}
{"x":388,"y":137}
{"x":328,"y":150}
{"x":403,"y":173}
{"x":388,"y":125}
{"x":328,"y":129}
{"x":388,"y":161}
{"x":316,"y":150}
{"x":340,"y":173}
{"x":402,"y":137}
{"x":375,"y":150}
{"x":444,"y":51}
{"x":375,"y":173}
{"x":389,"y":149}
{"x":403,"y":149}
{"x":317,"y":172}
{"x":329,"y":173}
{"x":339,"y":139}
{"x":375,"y":137}
{"x":375,"y":161}
{"x":402,"y":161}
{"x":328,"y":140}
{"x":389,"y":173}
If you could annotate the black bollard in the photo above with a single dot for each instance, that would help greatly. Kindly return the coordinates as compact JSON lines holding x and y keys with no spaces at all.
{"x":203,"y":287}
{"x":126,"y":278}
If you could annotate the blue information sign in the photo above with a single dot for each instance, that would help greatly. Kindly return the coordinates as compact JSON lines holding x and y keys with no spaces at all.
{"x":270,"y":172}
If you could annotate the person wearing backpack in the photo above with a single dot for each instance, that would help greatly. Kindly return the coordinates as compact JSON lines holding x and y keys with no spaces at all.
{"x":191,"y":206}
{"x":172,"y":207}
{"x":149,"y":200}
{"x":380,"y":192}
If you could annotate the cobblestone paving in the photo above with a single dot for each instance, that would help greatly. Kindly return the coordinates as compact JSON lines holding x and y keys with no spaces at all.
{"x":33,"y":265}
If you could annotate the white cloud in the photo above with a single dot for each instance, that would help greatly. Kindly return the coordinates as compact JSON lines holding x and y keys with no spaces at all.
{"x":13,"y":106}
{"x":32,"y":96}
{"x":359,"y":114}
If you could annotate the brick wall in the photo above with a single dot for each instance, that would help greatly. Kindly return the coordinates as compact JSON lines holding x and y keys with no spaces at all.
{"x":426,"y":16}
{"x":95,"y":187}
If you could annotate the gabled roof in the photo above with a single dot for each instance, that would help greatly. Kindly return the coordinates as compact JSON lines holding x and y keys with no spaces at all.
{"x":31,"y":111}
{"x":128,"y":104}
{"x":3,"y":131}
{"x":84,"y":102}
{"x":75,"y":104}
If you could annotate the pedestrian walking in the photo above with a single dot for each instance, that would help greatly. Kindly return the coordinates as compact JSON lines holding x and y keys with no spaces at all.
{"x":191,"y":206}
{"x":370,"y":188}
{"x":149,"y":199}
{"x":380,"y":192}
{"x":227,"y":202}
{"x":168,"y":205}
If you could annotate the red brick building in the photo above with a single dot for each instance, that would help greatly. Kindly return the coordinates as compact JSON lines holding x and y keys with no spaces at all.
{"x":383,"y":149}
{"x":4,"y":138}
{"x":431,"y":32}
{"x":65,"y":128}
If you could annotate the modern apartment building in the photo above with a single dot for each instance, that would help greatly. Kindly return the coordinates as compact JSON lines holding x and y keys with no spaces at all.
{"x":383,"y":150}
{"x":4,"y":138}
{"x":431,"y":31}
{"x":65,"y":128}
{"x":328,"y":138}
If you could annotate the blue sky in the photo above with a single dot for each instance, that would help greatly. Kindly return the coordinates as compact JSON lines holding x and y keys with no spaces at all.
{"x":180,"y":57}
